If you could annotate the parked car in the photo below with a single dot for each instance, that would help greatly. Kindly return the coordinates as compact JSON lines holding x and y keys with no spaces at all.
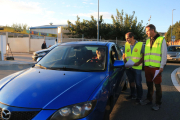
{"x":65,"y":84}
{"x":43,"y":52}
{"x":173,"y":53}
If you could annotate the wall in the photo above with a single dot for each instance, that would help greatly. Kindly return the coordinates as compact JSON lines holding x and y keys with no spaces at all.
{"x":4,"y":43}
{"x":37,"y":43}
{"x":22,"y":44}
{"x":19,"y":44}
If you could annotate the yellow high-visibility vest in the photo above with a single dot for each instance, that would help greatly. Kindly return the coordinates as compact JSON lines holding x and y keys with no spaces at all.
{"x":152,"y":56}
{"x":136,"y":54}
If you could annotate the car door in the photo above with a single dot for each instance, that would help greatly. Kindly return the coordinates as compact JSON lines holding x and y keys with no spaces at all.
{"x":117,"y":75}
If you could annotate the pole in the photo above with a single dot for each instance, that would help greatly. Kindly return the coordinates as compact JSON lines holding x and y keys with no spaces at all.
{"x":116,"y":40}
{"x":2,"y":52}
{"x":98,"y":23}
{"x":149,"y":19}
{"x":82,"y":36}
{"x":172,"y":26}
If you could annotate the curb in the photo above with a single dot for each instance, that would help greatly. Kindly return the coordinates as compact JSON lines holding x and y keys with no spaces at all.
{"x":178,"y":75}
{"x":175,"y":79}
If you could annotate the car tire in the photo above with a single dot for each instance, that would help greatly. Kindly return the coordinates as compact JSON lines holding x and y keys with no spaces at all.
{"x":108,"y":109}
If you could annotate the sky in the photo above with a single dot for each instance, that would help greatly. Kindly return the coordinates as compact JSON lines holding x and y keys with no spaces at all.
{"x":42,"y":12}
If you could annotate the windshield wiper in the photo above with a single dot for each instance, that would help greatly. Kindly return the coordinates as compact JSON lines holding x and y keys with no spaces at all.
{"x":65,"y":69}
{"x":39,"y":65}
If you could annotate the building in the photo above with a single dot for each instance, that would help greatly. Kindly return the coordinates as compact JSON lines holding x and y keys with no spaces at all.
{"x":53,"y":29}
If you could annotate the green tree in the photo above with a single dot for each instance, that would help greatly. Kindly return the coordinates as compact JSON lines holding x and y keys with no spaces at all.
{"x":175,"y":31}
{"x":121,"y":25}
{"x":20,"y":27}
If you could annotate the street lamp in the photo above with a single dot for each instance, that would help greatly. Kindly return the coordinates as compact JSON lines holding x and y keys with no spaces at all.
{"x":98,"y":24}
{"x":172,"y":25}
{"x":149,"y":19}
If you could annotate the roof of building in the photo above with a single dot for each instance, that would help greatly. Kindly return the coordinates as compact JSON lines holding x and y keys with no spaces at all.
{"x":47,"y":26}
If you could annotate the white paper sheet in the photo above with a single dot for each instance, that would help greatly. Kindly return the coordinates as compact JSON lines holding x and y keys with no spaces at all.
{"x":129,"y":63}
{"x":156,"y":73}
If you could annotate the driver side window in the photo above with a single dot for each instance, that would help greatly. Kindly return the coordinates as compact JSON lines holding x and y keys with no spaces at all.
{"x":113,"y":55}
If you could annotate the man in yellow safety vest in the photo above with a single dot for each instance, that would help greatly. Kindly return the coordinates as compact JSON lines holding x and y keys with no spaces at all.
{"x":134,"y":50}
{"x":155,"y":58}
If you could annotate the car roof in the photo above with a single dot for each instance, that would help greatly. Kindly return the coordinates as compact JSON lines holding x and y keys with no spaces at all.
{"x":88,"y":43}
{"x":174,"y":45}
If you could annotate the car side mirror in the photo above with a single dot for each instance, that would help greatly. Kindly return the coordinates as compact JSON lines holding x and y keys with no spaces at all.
{"x":39,"y":58}
{"x":118,"y":63}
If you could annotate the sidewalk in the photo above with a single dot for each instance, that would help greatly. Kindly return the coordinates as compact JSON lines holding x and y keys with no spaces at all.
{"x":19,"y":59}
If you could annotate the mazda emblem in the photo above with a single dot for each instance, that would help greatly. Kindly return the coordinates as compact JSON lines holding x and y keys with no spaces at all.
{"x":6,"y":114}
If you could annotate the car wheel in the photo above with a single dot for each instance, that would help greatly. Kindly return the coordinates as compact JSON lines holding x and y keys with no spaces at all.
{"x":108,"y":109}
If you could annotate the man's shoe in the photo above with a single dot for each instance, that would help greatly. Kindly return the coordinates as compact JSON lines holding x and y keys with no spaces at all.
{"x":131,"y":97}
{"x":156,"y":107}
{"x":138,"y":101}
{"x":146,"y":102}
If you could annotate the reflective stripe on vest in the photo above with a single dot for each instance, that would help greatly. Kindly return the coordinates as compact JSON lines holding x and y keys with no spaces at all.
{"x":152,"y":56}
{"x":136,"y":54}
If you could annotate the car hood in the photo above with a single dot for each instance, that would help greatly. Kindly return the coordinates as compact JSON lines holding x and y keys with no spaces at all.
{"x":49,"y":89}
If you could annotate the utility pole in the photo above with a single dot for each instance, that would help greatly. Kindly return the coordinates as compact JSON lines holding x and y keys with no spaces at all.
{"x":98,"y":24}
{"x":149,"y":19}
{"x":172,"y":25}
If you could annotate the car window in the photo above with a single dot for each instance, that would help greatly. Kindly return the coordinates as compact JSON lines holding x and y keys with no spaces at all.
{"x":174,"y":49}
{"x":80,"y":58}
{"x":113,"y":55}
{"x":119,"y":53}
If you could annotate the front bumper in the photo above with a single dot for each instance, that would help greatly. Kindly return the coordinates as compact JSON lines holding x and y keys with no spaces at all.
{"x":173,"y":59}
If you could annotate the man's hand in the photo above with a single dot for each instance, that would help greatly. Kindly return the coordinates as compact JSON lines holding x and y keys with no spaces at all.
{"x":160,"y":70}
{"x":136,"y":64}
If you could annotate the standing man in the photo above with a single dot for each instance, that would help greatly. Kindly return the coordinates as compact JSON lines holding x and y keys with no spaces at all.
{"x":154,"y":59}
{"x":134,"y":50}
{"x":44,"y":45}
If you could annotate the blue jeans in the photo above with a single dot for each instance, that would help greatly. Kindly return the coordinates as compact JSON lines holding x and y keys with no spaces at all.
{"x":134,"y":76}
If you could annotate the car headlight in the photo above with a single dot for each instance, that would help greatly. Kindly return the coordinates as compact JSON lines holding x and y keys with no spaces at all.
{"x":41,"y":54}
{"x":76,"y":111}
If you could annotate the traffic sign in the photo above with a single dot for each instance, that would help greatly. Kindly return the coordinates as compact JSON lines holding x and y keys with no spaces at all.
{"x":173,"y":37}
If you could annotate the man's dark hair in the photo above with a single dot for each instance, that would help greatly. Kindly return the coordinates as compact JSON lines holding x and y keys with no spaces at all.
{"x":152,"y":27}
{"x":130,"y":34}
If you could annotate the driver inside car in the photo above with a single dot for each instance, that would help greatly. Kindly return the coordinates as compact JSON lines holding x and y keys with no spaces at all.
{"x":100,"y":56}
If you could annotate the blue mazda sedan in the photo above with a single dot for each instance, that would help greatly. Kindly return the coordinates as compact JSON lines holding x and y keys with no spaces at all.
{"x":74,"y":81}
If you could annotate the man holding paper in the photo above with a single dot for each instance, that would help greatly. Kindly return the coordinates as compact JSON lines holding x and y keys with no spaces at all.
{"x":154,"y":60}
{"x":133,"y":55}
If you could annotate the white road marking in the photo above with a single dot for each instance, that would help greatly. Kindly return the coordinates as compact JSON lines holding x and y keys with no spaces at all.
{"x":174,"y":79}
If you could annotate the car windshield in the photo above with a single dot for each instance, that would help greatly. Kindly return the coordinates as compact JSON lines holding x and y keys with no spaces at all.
{"x":75,"y":58}
{"x":174,"y":49}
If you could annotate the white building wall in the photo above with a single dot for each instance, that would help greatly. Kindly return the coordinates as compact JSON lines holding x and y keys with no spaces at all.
{"x":4,"y":43}
{"x":37,"y":43}
{"x":19,"y":44}
{"x":50,"y":42}
{"x":46,"y":30}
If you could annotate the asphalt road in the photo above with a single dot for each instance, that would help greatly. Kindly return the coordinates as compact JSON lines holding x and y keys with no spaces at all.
{"x":170,"y":108}
{"x":127,"y":109}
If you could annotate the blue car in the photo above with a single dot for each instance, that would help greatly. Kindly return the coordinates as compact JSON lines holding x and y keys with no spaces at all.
{"x":74,"y":81}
